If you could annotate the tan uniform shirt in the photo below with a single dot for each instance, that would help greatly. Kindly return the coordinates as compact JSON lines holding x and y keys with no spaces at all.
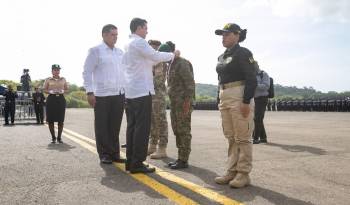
{"x":54,"y":85}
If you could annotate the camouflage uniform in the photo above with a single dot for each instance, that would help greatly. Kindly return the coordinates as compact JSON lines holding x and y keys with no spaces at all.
{"x":181,"y":87}
{"x":159,"y":123}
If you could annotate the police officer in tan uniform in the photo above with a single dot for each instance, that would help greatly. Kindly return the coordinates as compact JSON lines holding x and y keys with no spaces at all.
{"x":237,"y":83}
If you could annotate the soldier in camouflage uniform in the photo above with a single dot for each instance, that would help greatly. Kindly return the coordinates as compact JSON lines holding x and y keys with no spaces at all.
{"x":181,"y":90}
{"x":159,"y":123}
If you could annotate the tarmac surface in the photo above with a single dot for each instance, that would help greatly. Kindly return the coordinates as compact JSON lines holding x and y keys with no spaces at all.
{"x":307,"y":161}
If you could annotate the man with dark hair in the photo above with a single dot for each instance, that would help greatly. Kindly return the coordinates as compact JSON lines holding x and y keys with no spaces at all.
{"x":181,"y":90}
{"x":25,"y":80}
{"x":138,"y":60}
{"x":104,"y":84}
{"x":38,"y":100}
{"x":10,"y":105}
{"x":261,"y":100}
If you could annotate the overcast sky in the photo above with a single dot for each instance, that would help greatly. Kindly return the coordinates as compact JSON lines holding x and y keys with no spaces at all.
{"x":298,"y":42}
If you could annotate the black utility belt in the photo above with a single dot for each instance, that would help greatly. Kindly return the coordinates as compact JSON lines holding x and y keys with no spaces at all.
{"x":56,"y":95}
{"x":232,"y":84}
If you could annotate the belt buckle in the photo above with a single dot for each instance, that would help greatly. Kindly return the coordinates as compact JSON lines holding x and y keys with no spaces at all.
{"x":57,"y":95}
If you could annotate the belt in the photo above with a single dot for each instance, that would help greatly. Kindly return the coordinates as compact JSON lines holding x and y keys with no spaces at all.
{"x":57,"y":95}
{"x":232,"y":84}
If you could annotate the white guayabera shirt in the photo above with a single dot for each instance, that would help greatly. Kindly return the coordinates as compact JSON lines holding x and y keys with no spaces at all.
{"x":103,"y":72}
{"x":138,"y":59}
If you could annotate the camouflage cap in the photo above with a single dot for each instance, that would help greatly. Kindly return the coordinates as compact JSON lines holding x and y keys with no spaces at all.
{"x":164,"y":48}
{"x":229,"y":27}
{"x":55,"y":66}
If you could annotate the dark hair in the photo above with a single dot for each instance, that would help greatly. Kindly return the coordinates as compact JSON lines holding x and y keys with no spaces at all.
{"x":242,"y":35}
{"x":154,"y":42}
{"x":171,"y":45}
{"x":135,"y":22}
{"x":108,"y":28}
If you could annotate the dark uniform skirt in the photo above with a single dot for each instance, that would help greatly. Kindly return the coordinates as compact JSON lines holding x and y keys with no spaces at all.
{"x":55,"y":108}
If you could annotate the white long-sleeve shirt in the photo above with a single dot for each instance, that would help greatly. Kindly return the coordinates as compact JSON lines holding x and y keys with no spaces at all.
{"x":138,"y":59}
{"x":103,"y":72}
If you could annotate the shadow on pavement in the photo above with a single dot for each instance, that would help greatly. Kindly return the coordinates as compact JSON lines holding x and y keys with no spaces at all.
{"x":251,"y":192}
{"x":244,"y":194}
{"x":205,"y":174}
{"x":299,"y":148}
{"x":120,"y":181}
{"x":22,"y":124}
{"x":60,"y":147}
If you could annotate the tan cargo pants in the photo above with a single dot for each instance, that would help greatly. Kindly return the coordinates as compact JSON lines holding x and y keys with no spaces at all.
{"x":237,"y":129}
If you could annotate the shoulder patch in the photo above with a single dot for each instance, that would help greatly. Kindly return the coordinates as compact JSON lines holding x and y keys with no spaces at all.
{"x":251,"y":60}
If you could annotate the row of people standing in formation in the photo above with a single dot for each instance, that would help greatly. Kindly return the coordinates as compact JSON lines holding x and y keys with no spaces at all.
{"x":37,"y":98}
{"x":318,"y":105}
{"x":111,"y":75}
{"x":113,"y":78}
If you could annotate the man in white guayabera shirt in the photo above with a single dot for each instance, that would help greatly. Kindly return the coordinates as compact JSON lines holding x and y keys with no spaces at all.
{"x":138,"y":60}
{"x":104,"y":83}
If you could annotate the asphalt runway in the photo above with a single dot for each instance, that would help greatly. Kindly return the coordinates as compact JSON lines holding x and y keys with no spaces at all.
{"x":307,"y":161}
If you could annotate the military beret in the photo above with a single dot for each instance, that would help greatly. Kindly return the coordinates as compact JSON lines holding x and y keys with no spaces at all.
{"x":164,"y":48}
{"x":55,"y":66}
{"x":172,"y":45}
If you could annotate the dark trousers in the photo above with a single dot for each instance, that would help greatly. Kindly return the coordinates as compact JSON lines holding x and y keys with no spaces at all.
{"x":10,"y":109}
{"x":260,"y":108}
{"x":108,"y":118}
{"x":138,"y":113}
{"x":39,"y":113}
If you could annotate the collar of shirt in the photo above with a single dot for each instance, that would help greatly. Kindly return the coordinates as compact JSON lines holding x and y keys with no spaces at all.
{"x":134,"y":36}
{"x":105,"y":46}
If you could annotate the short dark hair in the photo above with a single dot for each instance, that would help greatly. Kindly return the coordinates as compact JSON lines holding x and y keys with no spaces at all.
{"x":108,"y":28}
{"x":154,"y":42}
{"x":135,"y":22}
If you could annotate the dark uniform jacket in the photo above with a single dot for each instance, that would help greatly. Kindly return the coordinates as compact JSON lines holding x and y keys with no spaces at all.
{"x":181,"y":83}
{"x":236,"y":64}
{"x":38,"y":98}
{"x":10,"y":96}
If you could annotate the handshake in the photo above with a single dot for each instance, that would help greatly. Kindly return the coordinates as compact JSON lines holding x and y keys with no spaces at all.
{"x":56,"y":91}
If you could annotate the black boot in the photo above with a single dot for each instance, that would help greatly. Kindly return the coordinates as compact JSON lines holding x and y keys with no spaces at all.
{"x":179,"y":165}
{"x":59,"y":140}
{"x":256,"y":141}
{"x":53,"y":140}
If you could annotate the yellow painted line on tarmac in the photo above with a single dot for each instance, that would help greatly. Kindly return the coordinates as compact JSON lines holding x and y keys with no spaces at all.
{"x":206,"y":192}
{"x":155,"y":185}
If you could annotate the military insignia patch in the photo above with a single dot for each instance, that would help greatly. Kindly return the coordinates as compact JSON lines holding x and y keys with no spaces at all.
{"x":228,"y":60}
{"x":227,"y":26}
{"x":251,"y":60}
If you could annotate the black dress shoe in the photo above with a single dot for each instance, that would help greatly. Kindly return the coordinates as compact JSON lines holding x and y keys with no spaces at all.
{"x":172,"y":163}
{"x":123,"y":146}
{"x":179,"y":165}
{"x":105,"y":160}
{"x":142,"y":169}
{"x":263,"y":141}
{"x":119,"y":160}
{"x":256,"y":141}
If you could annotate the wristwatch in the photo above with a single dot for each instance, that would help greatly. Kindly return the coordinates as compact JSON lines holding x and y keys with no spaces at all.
{"x":89,"y":93}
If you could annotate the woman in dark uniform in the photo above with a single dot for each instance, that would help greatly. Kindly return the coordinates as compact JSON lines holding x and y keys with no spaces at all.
{"x":237,"y":83}
{"x":55,"y":87}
